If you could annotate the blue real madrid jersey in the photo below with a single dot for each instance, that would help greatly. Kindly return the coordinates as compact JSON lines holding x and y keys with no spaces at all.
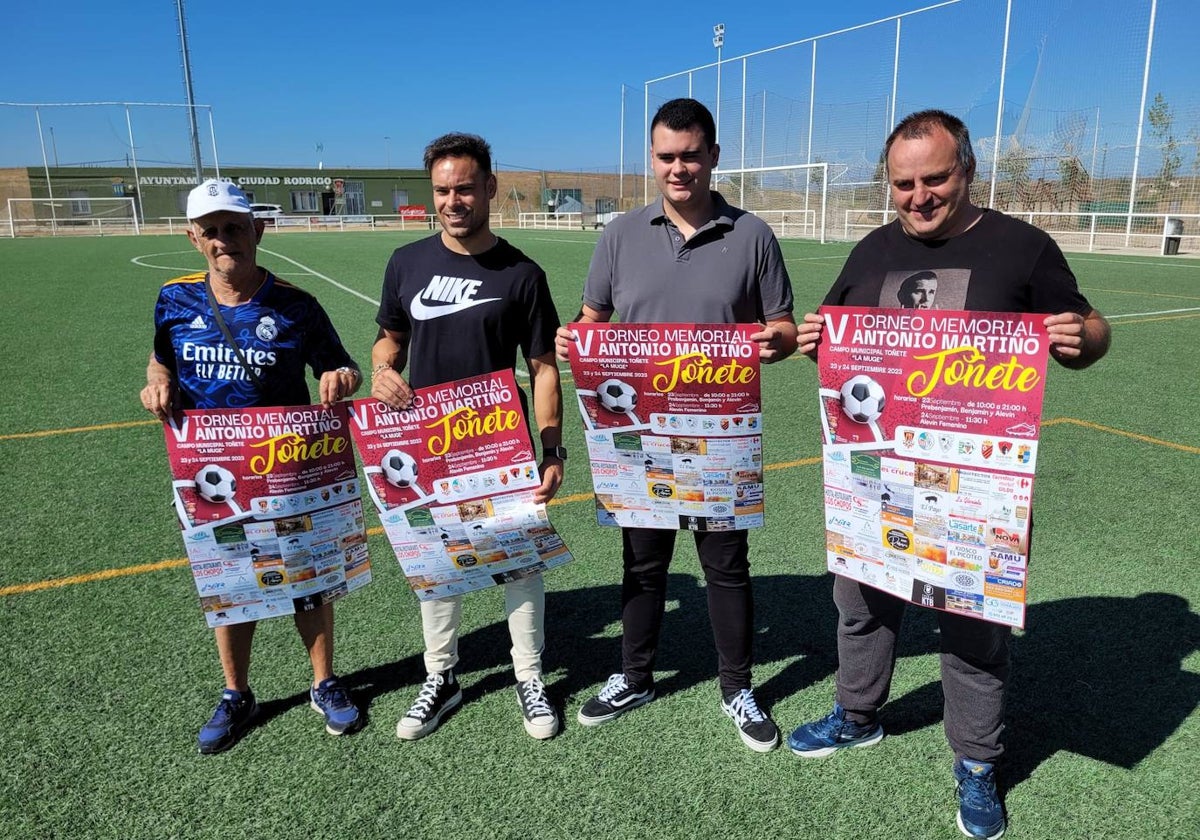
{"x":280,"y":330}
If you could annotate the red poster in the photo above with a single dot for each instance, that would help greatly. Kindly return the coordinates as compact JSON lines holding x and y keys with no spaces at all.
{"x":931,"y":422}
{"x":453,"y":479}
{"x":270,"y":504}
{"x":673,"y":420}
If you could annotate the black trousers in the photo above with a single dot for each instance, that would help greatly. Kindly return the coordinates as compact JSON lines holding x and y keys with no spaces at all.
{"x":725,"y":559}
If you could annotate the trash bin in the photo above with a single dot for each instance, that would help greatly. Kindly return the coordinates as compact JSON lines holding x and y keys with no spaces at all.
{"x":1172,"y":233}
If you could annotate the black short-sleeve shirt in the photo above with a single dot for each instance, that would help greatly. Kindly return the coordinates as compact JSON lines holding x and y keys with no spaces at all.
{"x":1000,"y":264}
{"x":466,"y":315}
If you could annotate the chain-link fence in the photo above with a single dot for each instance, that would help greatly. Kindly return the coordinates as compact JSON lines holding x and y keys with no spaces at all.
{"x":1085,"y":115}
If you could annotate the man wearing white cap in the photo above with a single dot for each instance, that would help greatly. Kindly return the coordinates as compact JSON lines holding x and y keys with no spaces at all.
{"x":280,"y":330}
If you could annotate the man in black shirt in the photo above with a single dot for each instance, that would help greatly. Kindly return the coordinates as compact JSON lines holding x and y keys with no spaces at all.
{"x":982,"y":260}
{"x":459,"y":304}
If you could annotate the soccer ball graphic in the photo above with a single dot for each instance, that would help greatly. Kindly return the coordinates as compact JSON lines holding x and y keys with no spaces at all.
{"x":617,"y":396}
{"x":862,"y":399}
{"x":399,"y":468}
{"x":215,"y":484}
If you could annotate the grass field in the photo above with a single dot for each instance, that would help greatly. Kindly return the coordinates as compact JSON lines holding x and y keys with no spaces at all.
{"x":109,"y":669}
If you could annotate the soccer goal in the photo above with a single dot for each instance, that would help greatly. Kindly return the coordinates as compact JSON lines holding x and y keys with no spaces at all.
{"x":791,"y":199}
{"x":72,"y":216}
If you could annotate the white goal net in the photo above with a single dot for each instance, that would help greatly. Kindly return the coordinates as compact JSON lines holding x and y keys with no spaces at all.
{"x":81,"y":215}
{"x":791,"y":199}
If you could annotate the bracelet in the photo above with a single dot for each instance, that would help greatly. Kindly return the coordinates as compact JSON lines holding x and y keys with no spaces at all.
{"x":355,"y":372}
{"x":380,"y":368}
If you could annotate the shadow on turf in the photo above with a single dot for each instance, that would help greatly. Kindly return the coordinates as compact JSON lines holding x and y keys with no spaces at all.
{"x":1098,"y":676}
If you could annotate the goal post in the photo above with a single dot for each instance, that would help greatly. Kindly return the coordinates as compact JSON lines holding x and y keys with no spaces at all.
{"x":791,"y":199}
{"x":72,"y":216}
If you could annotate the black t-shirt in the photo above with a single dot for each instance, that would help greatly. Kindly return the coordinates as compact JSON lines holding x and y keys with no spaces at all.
{"x":1000,"y":265}
{"x":466,"y":315}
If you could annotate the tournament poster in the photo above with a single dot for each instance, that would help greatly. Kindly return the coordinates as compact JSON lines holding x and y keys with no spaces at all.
{"x":673,"y":421}
{"x":270,"y":505}
{"x":453,"y":478}
{"x":930,"y":423}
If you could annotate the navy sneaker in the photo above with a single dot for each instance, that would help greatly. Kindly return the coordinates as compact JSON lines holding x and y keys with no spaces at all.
{"x":615,"y":699}
{"x":980,"y":812}
{"x":439,"y":695}
{"x":757,"y":730}
{"x":541,"y":721}
{"x":231,"y":718}
{"x":332,"y":699}
{"x":832,"y":733}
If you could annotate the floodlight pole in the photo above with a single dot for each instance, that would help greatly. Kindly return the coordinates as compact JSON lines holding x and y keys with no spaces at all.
{"x":37,"y":114}
{"x":1137,"y":147}
{"x":194,"y":132}
{"x":137,"y":181}
{"x":621,"y":156}
{"x":387,"y":150}
{"x":1000,"y":108}
{"x":719,"y":42}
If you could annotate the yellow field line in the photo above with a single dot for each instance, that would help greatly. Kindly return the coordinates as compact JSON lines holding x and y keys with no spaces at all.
{"x":1134,"y":435}
{"x":106,"y":574}
{"x":52,"y":432}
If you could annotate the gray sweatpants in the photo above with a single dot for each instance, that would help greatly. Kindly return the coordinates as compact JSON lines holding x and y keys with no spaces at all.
{"x":975,"y":667}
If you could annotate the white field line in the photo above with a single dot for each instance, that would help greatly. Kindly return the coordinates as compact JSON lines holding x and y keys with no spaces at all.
{"x":191,"y":269}
{"x":1159,"y":312}
{"x":321,"y":276}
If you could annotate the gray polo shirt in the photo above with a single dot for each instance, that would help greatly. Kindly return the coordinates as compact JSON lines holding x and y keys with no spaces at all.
{"x":730,"y":271}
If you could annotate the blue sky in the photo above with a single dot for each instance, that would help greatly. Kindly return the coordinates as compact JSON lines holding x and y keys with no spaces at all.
{"x":542,"y":81}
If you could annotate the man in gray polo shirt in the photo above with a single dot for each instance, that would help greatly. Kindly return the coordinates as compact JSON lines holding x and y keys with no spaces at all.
{"x":688,"y":257}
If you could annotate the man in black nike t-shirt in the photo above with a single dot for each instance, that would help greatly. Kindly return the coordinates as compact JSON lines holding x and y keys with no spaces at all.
{"x":459,"y":304}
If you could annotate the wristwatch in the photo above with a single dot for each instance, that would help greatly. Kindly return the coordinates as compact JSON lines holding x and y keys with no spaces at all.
{"x":559,"y":452}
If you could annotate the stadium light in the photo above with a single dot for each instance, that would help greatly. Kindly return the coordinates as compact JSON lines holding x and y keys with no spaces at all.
{"x":387,"y":146}
{"x":718,"y":42}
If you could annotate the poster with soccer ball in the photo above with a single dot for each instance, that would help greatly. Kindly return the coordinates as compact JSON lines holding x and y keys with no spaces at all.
{"x":673,"y":422}
{"x":271,"y":509}
{"x":930,"y":422}
{"x":453,"y":478}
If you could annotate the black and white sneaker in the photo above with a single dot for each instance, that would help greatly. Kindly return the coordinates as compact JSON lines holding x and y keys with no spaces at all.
{"x":439,"y":695}
{"x":758,"y":732}
{"x":615,"y":699}
{"x":541,"y":721}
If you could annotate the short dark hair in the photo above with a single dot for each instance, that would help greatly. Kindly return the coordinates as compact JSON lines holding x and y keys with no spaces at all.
{"x":922,"y":124}
{"x":910,"y":282}
{"x":682,"y":114}
{"x":457,"y":144}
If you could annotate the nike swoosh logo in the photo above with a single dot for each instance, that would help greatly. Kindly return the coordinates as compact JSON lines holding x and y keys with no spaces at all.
{"x":424,"y":312}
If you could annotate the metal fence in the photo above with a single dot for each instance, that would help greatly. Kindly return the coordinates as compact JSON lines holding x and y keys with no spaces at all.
{"x":1086,"y":108}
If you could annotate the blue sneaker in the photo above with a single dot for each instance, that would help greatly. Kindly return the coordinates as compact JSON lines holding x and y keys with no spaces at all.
{"x":231,"y":718}
{"x":832,"y":733}
{"x":980,"y":813}
{"x":332,"y":700}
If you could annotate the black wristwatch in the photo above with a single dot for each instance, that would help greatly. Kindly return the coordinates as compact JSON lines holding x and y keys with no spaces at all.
{"x":559,"y":452}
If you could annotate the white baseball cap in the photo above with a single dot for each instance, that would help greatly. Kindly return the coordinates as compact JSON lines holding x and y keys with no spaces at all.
{"x":213,"y":196}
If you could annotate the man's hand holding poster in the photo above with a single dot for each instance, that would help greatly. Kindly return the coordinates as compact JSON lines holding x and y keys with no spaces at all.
{"x":453,"y":478}
{"x":930,"y":423}
{"x":270,"y":505}
{"x":673,"y":420}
